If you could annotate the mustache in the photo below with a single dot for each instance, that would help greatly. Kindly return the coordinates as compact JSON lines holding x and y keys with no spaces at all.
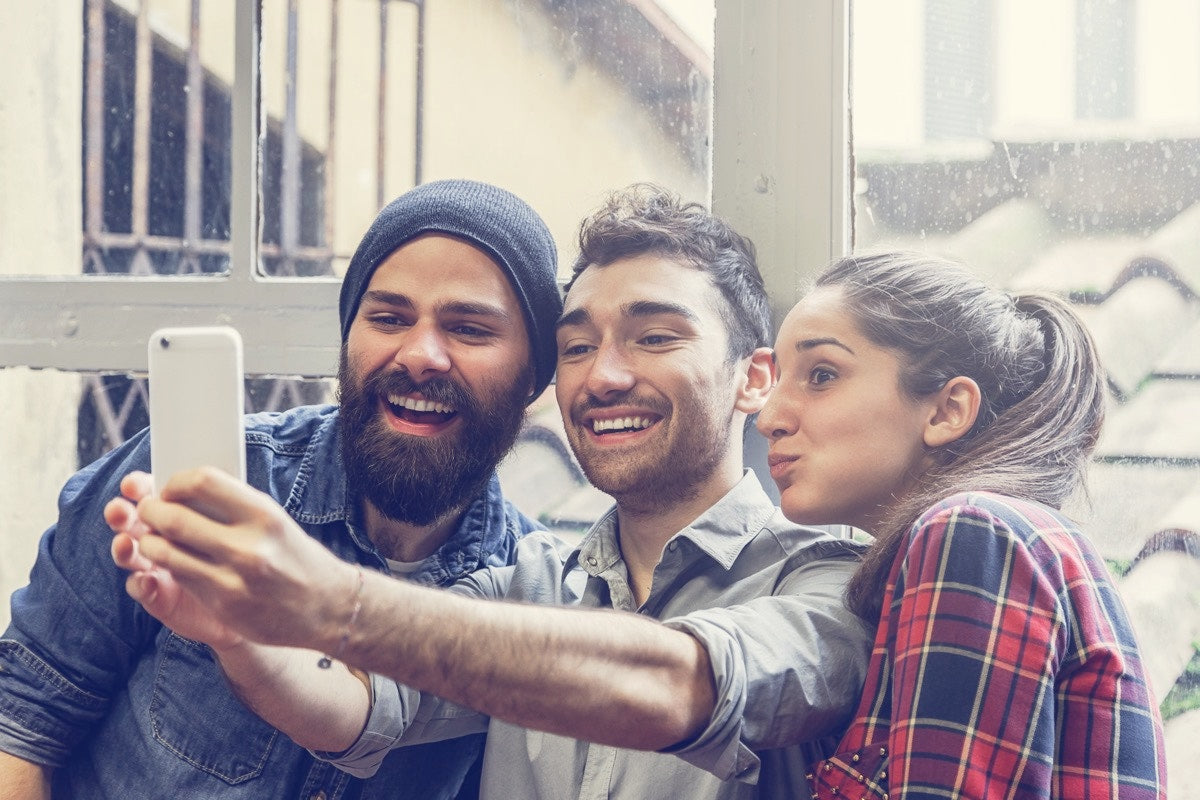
{"x":439,"y":390}
{"x":590,"y":403}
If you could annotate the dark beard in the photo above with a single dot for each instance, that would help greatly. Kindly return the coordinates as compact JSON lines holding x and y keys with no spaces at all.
{"x":414,"y":480}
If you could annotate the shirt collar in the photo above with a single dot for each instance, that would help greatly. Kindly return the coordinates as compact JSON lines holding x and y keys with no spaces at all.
{"x":721,"y":532}
{"x":321,"y":493}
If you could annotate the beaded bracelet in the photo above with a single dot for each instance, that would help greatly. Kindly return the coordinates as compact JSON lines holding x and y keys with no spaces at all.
{"x":326,"y":661}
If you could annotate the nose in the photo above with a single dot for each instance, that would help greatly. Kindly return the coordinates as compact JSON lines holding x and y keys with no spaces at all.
{"x":422,"y":351}
{"x":771,"y":421}
{"x":609,"y":372}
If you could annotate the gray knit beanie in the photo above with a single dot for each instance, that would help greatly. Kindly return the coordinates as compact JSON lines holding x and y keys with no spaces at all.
{"x":494,"y":220}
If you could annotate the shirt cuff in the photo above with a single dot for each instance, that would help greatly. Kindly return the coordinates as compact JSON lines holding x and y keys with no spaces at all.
{"x":719,"y":748}
{"x":390,"y":708}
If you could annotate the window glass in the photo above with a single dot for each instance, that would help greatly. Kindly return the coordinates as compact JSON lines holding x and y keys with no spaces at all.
{"x":1040,"y":143}
{"x":117,"y":161}
{"x":557,"y":101}
{"x":135,"y":178}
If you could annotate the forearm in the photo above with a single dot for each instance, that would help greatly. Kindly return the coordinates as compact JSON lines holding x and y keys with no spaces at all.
{"x":320,"y":709}
{"x":603,"y":676}
{"x":23,"y":780}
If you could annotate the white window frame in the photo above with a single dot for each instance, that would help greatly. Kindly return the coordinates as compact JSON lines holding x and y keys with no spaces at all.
{"x":780,"y":175}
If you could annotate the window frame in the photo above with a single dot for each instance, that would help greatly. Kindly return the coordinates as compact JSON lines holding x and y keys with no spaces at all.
{"x":781,"y":172}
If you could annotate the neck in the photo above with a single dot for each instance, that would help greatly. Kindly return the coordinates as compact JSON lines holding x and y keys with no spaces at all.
{"x":647,"y":522}
{"x":403,"y":541}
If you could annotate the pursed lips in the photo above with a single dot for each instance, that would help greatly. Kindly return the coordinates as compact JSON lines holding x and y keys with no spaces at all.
{"x":779,"y":463}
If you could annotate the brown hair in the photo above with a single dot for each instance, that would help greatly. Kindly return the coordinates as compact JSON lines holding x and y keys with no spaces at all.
{"x":1041,"y":382}
{"x":645,"y":218}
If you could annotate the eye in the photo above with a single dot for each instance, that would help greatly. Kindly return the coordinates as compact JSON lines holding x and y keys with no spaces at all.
{"x":821,"y":375}
{"x":576,"y":350}
{"x":383,"y":319}
{"x":657,"y":339}
{"x":470,"y":331}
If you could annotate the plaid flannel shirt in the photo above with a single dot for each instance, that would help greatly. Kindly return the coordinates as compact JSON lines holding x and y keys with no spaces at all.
{"x":1004,"y":666}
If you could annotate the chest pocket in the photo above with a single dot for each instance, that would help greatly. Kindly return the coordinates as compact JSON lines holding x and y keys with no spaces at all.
{"x":852,"y":774}
{"x":194,"y":714}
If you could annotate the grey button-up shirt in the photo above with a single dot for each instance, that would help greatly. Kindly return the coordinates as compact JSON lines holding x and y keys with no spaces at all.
{"x":764,"y":597}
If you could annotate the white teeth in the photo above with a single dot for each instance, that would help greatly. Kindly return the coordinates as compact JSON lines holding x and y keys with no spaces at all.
{"x":413,"y":404}
{"x":620,"y":424}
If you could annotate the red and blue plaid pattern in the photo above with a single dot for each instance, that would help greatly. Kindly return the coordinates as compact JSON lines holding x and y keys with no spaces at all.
{"x":1004,"y":667}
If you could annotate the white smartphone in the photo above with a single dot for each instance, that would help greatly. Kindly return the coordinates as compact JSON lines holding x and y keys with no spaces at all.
{"x":196,"y":401}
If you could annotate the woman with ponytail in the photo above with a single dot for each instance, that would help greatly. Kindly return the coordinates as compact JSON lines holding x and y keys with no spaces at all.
{"x":951,"y":421}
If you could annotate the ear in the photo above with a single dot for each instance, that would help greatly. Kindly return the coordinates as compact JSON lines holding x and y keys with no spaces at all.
{"x":756,"y":378}
{"x":955,"y":409}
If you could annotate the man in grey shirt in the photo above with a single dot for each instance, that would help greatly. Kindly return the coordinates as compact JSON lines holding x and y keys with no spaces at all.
{"x":711,"y":649}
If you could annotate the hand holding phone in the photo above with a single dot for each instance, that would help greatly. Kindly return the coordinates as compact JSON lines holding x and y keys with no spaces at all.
{"x":196,"y":401}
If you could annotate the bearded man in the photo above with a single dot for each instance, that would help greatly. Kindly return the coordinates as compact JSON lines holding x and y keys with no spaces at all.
{"x":447,"y":313}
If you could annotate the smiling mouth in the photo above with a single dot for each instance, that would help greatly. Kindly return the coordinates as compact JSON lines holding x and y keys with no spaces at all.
{"x":419,"y":410}
{"x":602,"y":427}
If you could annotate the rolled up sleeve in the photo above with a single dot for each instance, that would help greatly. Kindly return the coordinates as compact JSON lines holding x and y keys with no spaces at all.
{"x":75,"y":634}
{"x":788,"y":668}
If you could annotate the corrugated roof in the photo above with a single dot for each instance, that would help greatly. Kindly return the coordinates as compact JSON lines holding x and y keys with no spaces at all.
{"x":1137,"y":292}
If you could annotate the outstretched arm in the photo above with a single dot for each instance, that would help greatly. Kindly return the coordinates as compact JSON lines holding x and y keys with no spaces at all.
{"x":23,"y":780}
{"x":282,"y":685}
{"x":603,"y":676}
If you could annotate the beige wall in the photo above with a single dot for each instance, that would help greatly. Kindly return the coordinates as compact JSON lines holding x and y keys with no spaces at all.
{"x":40,"y":224}
{"x":501,"y":104}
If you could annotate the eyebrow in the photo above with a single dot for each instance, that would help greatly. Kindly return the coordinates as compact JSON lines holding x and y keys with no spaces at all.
{"x":637,"y":309}
{"x":809,"y":344}
{"x":462,"y":307}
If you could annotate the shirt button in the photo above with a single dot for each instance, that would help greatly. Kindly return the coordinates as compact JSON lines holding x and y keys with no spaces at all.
{"x":592,"y":560}
{"x":318,"y":796}
{"x":673,"y":546}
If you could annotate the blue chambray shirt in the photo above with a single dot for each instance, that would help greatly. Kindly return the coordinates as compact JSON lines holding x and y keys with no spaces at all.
{"x":762,"y":595}
{"x":93,"y":686}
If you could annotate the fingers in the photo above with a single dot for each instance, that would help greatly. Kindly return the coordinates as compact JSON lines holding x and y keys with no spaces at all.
{"x":143,"y":587}
{"x":217,"y":495}
{"x":127,"y":556}
{"x":137,"y":485}
{"x":188,"y":544}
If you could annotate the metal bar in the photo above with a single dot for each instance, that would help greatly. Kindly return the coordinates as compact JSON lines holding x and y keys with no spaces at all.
{"x":194,"y":165}
{"x":331,"y":144}
{"x":142,"y":87}
{"x":289,"y":178}
{"x":419,"y":111}
{"x":164,"y":243}
{"x":170,"y":244}
{"x":109,"y":423}
{"x":244,"y":132}
{"x":94,"y":116}
{"x":381,"y":109}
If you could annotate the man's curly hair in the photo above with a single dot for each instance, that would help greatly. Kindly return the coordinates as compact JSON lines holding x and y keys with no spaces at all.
{"x":646,"y":218}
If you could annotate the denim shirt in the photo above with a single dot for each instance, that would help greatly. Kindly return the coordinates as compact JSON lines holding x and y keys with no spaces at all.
{"x":93,"y":686}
